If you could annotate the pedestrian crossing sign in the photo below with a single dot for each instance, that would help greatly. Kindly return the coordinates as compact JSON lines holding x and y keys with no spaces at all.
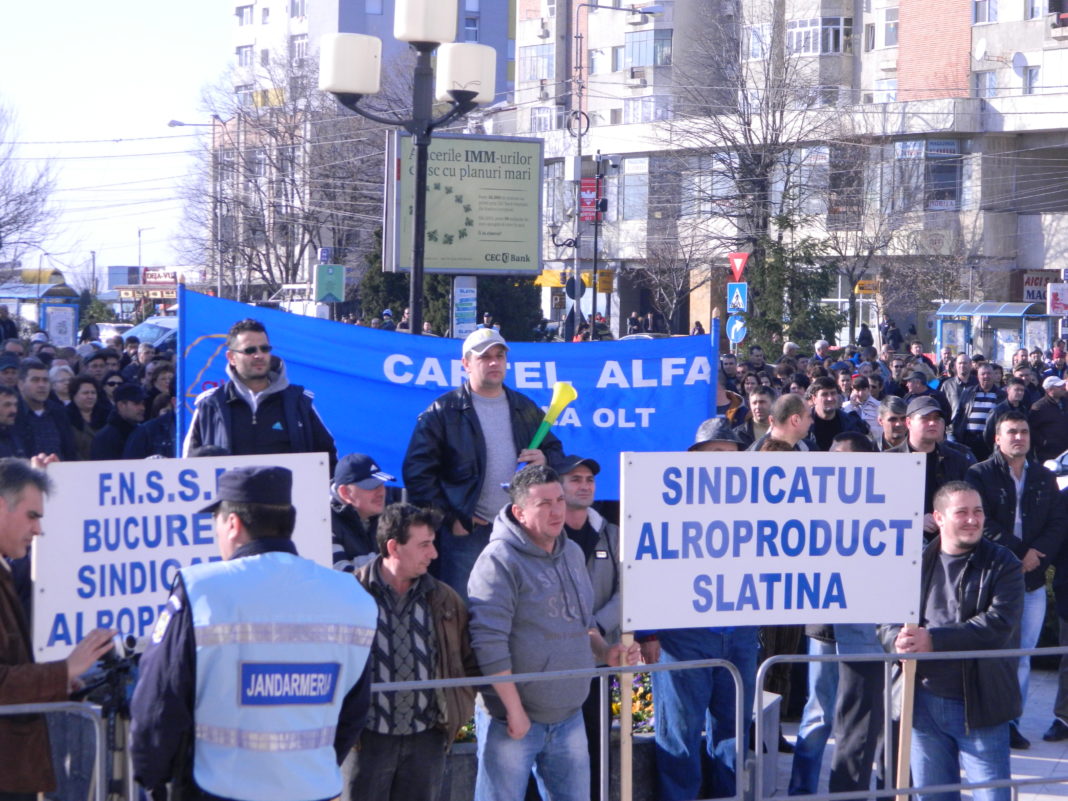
{"x":738,"y":298}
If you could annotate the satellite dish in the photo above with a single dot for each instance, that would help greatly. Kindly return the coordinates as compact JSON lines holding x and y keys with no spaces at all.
{"x":979,"y":49}
{"x":1019,"y":62}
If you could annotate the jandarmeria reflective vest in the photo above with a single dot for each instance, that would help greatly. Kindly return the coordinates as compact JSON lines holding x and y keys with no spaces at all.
{"x":280,"y":641}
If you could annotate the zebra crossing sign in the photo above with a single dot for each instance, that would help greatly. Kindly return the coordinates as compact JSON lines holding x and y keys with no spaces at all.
{"x":738,"y":298}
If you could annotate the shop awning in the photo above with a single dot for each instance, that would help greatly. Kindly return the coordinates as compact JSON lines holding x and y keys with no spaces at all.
{"x":990,"y":308}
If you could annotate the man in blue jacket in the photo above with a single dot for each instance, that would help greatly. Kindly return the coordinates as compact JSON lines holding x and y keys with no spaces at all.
{"x":255,"y":685}
{"x":257,"y":411}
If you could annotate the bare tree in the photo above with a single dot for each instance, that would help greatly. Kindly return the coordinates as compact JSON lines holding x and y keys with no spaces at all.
{"x":25,"y":216}
{"x":752,"y":124}
{"x":675,"y":267}
{"x":286,"y":173}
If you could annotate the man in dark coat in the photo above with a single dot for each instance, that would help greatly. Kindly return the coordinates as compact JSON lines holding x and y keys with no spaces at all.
{"x":26,"y":766}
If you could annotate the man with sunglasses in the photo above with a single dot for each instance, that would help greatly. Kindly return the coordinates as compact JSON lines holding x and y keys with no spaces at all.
{"x":257,"y":411}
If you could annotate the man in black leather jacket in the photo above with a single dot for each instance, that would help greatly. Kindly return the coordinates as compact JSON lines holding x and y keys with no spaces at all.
{"x":1030,"y":523}
{"x":465,"y":446}
{"x":971,"y":600}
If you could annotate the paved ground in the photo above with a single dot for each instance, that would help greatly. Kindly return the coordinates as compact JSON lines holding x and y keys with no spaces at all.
{"x":1043,"y":759}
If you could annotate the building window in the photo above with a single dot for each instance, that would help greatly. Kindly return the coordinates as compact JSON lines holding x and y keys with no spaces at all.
{"x":243,"y":93}
{"x":550,"y":8}
{"x":819,"y":35}
{"x":244,"y":56}
{"x":615,"y":116}
{"x":890,"y":27}
{"x":298,"y":48}
{"x":755,"y":39}
{"x":1030,"y":83}
{"x":646,"y":109}
{"x":886,"y":90}
{"x":373,"y":7}
{"x":298,"y":8}
{"x":265,"y":57}
{"x":244,"y":15}
{"x":803,"y":36}
{"x":869,"y":37}
{"x":927,"y":175}
{"x":986,"y":84}
{"x":708,"y":185}
{"x":635,"y":188}
{"x":648,"y":48}
{"x":984,"y":11}
{"x":472,"y":5}
{"x":619,"y":58}
{"x":537,"y":62}
{"x":542,"y":119}
{"x":470,"y":29}
{"x":553,"y":197}
{"x":1033,"y":9}
{"x":836,"y":35}
{"x":265,"y":15}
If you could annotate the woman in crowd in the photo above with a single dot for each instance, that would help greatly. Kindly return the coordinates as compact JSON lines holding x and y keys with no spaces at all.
{"x":84,"y":415}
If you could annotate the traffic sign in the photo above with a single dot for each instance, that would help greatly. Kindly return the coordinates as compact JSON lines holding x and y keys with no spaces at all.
{"x":574,"y":289}
{"x":737,"y":262}
{"x":736,"y":329}
{"x":737,"y":298}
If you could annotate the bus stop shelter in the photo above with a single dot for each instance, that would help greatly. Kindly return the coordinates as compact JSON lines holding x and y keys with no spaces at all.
{"x":994,"y":328}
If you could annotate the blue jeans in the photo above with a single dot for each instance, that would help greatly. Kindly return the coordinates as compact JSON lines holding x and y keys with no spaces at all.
{"x":687,"y":702}
{"x":1034,"y":615}
{"x":816,"y":721}
{"x":942,"y":745}
{"x":557,"y":752}
{"x":457,"y":555}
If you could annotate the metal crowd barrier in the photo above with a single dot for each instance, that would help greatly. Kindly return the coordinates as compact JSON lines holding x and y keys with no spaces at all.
{"x":602,"y":674}
{"x":889,"y":723}
{"x":89,"y":711}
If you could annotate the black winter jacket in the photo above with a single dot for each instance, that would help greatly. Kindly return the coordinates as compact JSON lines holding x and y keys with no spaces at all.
{"x":990,"y":593}
{"x":446,"y":459}
{"x":1049,"y":428}
{"x":212,"y":422}
{"x":953,"y":465}
{"x":1042,"y":508}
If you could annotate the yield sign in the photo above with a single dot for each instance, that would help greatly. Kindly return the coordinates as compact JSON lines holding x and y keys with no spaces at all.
{"x":737,"y":261}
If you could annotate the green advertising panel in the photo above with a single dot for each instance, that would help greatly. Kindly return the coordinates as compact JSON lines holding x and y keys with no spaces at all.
{"x":329,"y":283}
{"x":483,"y":205}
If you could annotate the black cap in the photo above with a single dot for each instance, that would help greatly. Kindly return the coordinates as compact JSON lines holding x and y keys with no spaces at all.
{"x":715,"y":429}
{"x":569,"y":463}
{"x":924,"y":404}
{"x":918,"y":376}
{"x":267,"y":485}
{"x":9,"y":361}
{"x":129,"y":392}
{"x":361,"y":470}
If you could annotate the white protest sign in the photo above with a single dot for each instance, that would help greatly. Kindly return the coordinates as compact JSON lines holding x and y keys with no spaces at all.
{"x":116,"y":533}
{"x":747,"y":539}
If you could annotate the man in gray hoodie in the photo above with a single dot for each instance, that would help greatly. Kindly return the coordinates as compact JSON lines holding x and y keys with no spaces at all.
{"x":531,"y":606}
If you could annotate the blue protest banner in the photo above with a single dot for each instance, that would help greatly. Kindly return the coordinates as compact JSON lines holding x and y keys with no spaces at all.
{"x":370,"y":385}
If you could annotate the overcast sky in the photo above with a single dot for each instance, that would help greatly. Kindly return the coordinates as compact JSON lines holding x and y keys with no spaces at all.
{"x":75,"y":73}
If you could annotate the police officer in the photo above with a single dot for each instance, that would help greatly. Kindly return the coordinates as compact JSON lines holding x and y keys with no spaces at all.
{"x":255,"y":684}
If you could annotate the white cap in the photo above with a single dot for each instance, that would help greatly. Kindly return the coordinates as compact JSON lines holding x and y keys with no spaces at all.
{"x":481,"y":339}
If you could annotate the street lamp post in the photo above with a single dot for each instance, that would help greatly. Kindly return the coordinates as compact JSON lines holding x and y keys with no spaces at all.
{"x":139,"y":230}
{"x":216,"y":225}
{"x":350,"y":66}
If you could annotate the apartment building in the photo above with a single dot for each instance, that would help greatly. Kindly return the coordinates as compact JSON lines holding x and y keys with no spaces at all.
{"x":955,"y":107}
